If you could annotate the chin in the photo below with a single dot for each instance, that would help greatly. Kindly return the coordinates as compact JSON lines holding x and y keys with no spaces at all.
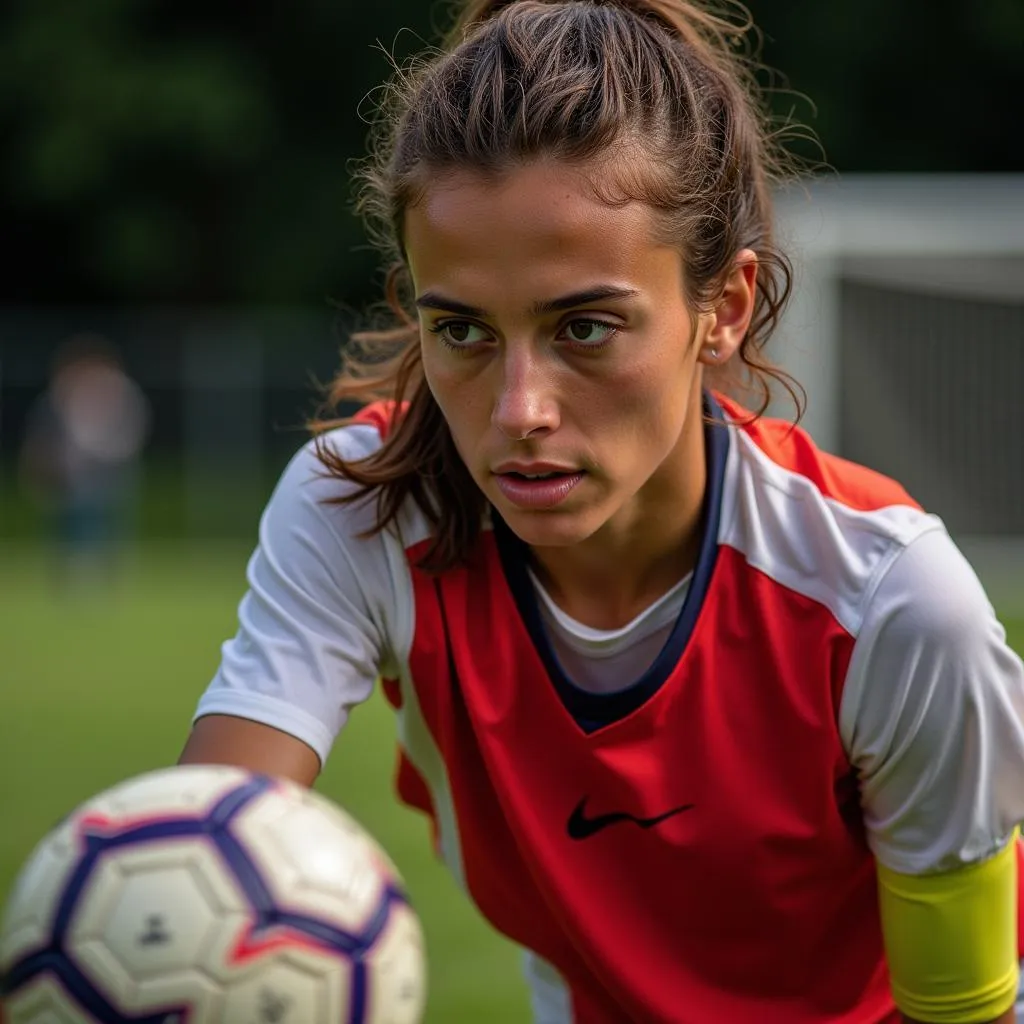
{"x":549,"y":529}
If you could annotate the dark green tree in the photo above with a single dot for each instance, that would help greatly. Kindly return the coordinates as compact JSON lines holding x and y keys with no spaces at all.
{"x":198,"y":152}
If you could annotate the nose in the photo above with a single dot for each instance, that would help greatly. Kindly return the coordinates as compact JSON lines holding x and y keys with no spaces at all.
{"x":525,"y":404}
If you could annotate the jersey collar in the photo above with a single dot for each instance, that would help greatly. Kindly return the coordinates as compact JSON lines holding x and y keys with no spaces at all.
{"x":594,"y":711}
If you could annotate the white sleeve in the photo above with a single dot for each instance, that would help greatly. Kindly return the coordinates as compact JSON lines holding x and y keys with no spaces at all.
{"x":314,"y":624}
{"x":932,"y":715}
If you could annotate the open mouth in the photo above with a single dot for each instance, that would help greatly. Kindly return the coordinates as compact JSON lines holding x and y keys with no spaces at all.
{"x":538,"y":476}
{"x":538,"y":490}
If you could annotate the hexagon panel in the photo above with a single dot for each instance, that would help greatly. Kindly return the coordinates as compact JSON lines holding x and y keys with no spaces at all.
{"x":188,"y":790}
{"x":295,"y":986}
{"x":43,"y":1001}
{"x":397,"y":971}
{"x":151,"y":912}
{"x":314,"y":859}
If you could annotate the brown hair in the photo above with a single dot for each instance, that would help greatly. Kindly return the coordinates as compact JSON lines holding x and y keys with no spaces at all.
{"x":667,"y":85}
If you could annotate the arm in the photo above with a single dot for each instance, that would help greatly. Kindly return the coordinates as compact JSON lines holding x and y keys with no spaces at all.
{"x":933,"y":720}
{"x":224,"y":739}
{"x":1007,"y":1018}
{"x":313,"y":630}
{"x":1010,"y":1017}
{"x":952,"y":940}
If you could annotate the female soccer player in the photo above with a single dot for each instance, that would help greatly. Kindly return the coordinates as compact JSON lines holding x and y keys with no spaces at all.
{"x":719,"y":727}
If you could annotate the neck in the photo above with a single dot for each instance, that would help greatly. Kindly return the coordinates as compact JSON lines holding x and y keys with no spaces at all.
{"x":643,"y":551}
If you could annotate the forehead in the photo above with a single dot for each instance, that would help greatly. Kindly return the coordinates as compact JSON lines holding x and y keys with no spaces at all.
{"x":537,"y":227}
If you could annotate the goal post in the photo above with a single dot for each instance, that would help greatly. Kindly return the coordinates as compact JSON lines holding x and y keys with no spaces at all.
{"x":906,"y":327}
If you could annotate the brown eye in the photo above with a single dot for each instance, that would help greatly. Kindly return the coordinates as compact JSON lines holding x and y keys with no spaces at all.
{"x":459,"y":334}
{"x":589,"y":332}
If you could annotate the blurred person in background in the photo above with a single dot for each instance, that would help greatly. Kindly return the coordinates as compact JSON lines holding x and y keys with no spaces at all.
{"x":80,"y":456}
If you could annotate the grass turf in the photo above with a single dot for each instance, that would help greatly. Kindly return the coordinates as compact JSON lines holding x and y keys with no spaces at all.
{"x":95,"y":688}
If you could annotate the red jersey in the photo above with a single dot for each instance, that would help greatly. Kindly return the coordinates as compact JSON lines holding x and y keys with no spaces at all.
{"x":698,"y":846}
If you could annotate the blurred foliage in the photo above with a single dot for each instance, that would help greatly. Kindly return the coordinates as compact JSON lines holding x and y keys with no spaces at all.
{"x":197,"y":151}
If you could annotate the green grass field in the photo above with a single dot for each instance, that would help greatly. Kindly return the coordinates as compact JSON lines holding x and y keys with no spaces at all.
{"x":95,"y":689}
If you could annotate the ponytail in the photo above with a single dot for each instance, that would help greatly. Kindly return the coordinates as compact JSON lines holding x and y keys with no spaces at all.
{"x":711,"y":33}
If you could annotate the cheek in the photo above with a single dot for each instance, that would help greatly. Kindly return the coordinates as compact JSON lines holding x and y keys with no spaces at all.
{"x":440,"y":378}
{"x":645,"y":397}
{"x":458,"y":399}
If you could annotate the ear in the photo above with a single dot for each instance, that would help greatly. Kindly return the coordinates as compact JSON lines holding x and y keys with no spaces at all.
{"x":730,"y":318}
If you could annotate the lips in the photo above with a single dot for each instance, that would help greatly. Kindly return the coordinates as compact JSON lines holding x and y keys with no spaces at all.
{"x":533,"y":468}
{"x":537,"y":486}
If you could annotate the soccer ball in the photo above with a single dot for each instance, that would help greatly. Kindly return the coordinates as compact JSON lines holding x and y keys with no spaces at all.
{"x":208,"y":895}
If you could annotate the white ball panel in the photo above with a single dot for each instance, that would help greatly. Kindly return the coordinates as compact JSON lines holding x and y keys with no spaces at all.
{"x":151,"y":910}
{"x":43,"y":1001}
{"x":194,"y":989}
{"x":314,"y":861}
{"x":298,"y":987}
{"x":397,"y":971}
{"x":37,"y":891}
{"x":188,"y":790}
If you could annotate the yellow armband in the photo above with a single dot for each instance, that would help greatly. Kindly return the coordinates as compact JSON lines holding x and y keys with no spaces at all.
{"x":951,"y":940}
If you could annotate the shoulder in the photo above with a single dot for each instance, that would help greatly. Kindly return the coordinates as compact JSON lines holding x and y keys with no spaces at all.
{"x":312,"y":480}
{"x":817,"y":524}
{"x":932,"y":714}
{"x":314,"y":505}
{"x":382,"y":416}
{"x":931,"y":593}
{"x":309,"y":490}
{"x":928,"y":621}
{"x":787,"y":458}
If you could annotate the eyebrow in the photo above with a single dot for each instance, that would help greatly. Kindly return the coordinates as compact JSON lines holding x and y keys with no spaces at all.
{"x":434,"y":300}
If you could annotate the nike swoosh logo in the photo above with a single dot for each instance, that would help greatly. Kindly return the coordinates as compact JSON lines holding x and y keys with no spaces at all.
{"x":579,"y":826}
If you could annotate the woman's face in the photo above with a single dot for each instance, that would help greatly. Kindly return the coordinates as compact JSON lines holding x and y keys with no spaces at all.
{"x":558,"y":343}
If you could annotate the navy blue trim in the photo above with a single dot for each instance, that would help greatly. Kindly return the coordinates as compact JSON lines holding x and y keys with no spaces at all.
{"x":54,"y":958}
{"x":593,"y":711}
{"x":81,"y":990}
{"x":231,"y":804}
{"x":358,"y":996}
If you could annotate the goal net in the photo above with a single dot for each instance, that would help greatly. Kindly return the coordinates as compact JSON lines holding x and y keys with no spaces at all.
{"x":907,"y":328}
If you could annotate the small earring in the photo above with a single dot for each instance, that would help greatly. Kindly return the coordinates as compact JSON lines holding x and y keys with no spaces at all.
{"x":713,"y":352}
